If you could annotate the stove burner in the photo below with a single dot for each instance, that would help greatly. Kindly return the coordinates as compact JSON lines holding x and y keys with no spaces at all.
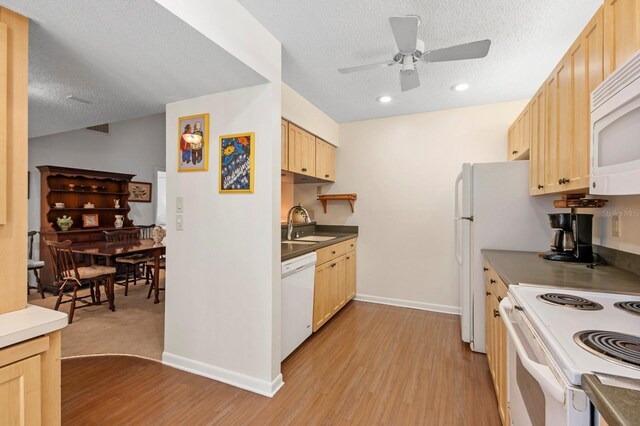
{"x":632,"y":307}
{"x":619,"y":348}
{"x":570,"y":301}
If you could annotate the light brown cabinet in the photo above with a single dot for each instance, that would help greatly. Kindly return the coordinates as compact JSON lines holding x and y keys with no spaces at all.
{"x":20,"y":397}
{"x":325,"y":160}
{"x":519,"y":136}
{"x":302,"y":151}
{"x":335,"y":281}
{"x":306,"y":154}
{"x":496,"y":339}
{"x":30,"y":382}
{"x":284,"y":130}
{"x":537,"y":151}
{"x":559,"y":132}
{"x":621,"y":32}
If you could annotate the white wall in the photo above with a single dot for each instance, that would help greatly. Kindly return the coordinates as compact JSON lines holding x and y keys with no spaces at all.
{"x":299,"y":110}
{"x":222,"y":315}
{"x":628,"y":209}
{"x":132,"y":146}
{"x":403,"y":170}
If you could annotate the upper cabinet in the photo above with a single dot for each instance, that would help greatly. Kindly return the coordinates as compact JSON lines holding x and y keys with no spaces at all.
{"x":305,"y":154}
{"x":325,"y":160}
{"x":555,"y":127}
{"x":302,"y":151}
{"x":519,"y":137}
{"x":284,"y":130}
{"x":621,"y":32}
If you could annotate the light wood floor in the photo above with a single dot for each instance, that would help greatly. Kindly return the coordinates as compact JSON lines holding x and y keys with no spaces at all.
{"x":371,"y":364}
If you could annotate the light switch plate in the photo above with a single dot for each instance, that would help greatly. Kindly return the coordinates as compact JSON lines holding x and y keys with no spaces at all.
{"x":615,"y":225}
{"x":179,"y":205}
{"x":179,"y":221}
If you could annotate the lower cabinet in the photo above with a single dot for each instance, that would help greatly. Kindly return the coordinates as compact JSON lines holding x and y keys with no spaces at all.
{"x":335,"y":281}
{"x":496,"y":339}
{"x":30,"y":382}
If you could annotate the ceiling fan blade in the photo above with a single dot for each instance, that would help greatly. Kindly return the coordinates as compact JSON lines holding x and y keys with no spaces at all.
{"x":409,"y":80}
{"x":405,"y":31}
{"x":366,"y":67}
{"x":473,"y":50}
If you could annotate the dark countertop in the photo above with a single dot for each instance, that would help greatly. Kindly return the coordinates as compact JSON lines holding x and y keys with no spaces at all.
{"x":520,"y":267}
{"x":289,"y":251}
{"x":618,"y":406}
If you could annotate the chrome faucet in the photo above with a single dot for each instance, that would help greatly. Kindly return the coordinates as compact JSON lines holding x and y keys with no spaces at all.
{"x":293,"y":209}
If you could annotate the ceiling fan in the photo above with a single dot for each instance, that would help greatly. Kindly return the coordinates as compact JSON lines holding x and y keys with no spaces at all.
{"x":411,"y":50}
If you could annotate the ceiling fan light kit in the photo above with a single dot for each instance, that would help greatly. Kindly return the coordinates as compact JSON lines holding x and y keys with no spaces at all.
{"x":411,"y":49}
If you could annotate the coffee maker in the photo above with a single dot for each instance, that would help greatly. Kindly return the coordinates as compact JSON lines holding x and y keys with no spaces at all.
{"x":571,"y":240}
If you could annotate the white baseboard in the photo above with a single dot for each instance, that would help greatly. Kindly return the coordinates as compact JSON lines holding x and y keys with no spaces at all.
{"x":229,"y":377}
{"x":445,"y":309}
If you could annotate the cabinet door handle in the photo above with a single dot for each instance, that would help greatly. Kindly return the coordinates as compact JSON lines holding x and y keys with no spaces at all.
{"x":540,"y":186}
{"x":560,"y":182}
{"x":333,"y":252}
{"x":348,"y":257}
{"x":333,"y":265}
{"x":514,"y":152}
{"x":304,"y":170}
{"x":487,"y":293}
{"x":496,"y":313}
{"x":499,"y":299}
{"x":485,"y":269}
{"x":326,"y":176}
{"x":492,"y":281}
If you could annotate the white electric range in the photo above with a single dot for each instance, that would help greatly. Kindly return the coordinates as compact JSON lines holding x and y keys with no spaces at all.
{"x":555,"y":336}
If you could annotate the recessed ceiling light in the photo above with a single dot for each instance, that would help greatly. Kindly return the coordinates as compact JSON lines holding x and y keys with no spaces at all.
{"x":384,"y":99}
{"x":460,"y":87}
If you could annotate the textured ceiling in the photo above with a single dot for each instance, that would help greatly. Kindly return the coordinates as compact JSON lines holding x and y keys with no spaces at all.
{"x":528,"y":39}
{"x":128,"y":58}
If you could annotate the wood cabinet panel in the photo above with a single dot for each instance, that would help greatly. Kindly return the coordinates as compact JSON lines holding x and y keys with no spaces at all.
{"x":284,"y":131}
{"x":325,"y":160}
{"x":20,"y":393}
{"x":335,"y":280}
{"x":538,"y":141}
{"x":496,"y":339}
{"x":13,"y":161}
{"x":622,"y":32}
{"x":587,"y":72}
{"x":302,"y":151}
{"x":350,"y":266}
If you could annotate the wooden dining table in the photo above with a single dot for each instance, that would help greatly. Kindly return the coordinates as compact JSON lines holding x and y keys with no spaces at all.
{"x":112,"y":250}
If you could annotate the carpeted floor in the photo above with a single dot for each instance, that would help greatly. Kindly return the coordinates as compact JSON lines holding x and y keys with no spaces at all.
{"x":135,"y":328}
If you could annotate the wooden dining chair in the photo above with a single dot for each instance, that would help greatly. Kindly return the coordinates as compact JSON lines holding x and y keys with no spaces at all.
{"x":146,"y":231}
{"x":34,"y":265}
{"x":70,"y":278}
{"x":132,"y":263}
{"x":150,"y":267}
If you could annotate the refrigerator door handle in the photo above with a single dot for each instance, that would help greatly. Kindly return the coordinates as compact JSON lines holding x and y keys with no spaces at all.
{"x":456,"y":222}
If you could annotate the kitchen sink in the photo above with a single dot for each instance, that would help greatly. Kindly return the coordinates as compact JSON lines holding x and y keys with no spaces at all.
{"x":315,"y":238}
{"x":297,"y":242}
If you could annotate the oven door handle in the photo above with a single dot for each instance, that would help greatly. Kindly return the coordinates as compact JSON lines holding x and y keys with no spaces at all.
{"x":542,"y":373}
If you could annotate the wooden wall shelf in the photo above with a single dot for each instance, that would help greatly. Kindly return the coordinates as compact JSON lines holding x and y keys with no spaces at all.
{"x":351,"y":198}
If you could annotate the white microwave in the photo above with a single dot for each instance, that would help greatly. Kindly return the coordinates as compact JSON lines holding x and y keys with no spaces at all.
{"x":615,"y":132}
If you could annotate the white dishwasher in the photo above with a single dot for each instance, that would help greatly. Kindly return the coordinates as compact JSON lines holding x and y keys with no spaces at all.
{"x":298,"y":276}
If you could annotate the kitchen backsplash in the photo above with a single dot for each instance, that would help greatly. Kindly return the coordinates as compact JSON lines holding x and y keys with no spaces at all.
{"x":628,"y":209}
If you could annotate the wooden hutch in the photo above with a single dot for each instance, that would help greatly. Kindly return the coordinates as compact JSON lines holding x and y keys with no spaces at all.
{"x":75,"y":188}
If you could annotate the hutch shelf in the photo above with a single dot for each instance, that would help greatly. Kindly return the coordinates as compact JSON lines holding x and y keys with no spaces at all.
{"x":75,"y":188}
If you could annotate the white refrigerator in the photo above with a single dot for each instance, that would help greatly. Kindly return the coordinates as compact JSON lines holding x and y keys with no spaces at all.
{"x":493,"y":211}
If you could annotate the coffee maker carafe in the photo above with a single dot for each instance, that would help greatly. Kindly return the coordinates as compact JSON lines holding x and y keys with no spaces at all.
{"x":572,"y":237}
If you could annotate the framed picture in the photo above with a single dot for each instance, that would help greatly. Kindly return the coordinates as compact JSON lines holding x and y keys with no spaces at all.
{"x":90,"y":220}
{"x":237,"y":162}
{"x":193,"y":143}
{"x":140,"y":192}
